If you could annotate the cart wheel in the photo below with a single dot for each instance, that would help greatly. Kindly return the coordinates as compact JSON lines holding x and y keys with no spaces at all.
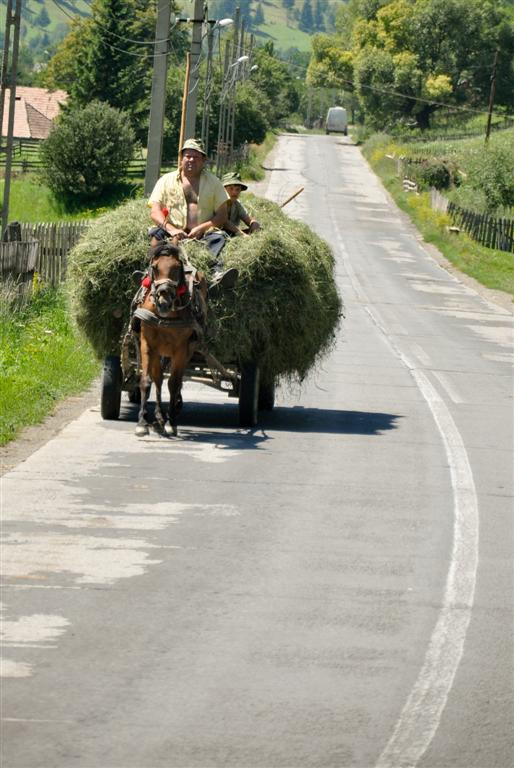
{"x":111,"y":388}
{"x":249,"y":395}
{"x":267,"y":395}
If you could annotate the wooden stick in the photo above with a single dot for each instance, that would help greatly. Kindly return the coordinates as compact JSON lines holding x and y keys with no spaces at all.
{"x":184,"y":105}
{"x":292,"y":196}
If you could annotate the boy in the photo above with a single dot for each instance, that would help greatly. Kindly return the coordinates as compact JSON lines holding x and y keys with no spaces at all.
{"x":236,"y":212}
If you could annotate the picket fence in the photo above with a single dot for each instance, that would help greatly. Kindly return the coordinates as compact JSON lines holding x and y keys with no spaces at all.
{"x":43,"y":248}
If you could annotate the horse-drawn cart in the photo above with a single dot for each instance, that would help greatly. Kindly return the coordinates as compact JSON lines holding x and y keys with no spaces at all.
{"x":238,"y":379}
{"x":275,"y":325}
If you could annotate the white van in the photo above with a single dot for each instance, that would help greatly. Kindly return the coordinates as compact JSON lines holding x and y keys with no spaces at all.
{"x":337,"y":121}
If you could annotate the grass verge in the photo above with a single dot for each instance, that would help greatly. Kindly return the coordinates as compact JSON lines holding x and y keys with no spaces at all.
{"x":252,"y":168}
{"x":43,"y":358}
{"x":492,"y":268}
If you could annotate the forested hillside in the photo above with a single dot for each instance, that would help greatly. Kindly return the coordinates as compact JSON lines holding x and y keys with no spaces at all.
{"x":288,"y":23}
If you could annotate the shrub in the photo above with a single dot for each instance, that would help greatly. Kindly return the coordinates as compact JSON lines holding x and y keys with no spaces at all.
{"x":435,"y":172}
{"x":87,"y":151}
{"x":491,"y":170}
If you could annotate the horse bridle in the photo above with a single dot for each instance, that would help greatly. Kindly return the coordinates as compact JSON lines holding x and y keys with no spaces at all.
{"x":176,"y":305}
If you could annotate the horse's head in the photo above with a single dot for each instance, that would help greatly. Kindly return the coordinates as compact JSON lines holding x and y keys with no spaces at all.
{"x":167,"y":273}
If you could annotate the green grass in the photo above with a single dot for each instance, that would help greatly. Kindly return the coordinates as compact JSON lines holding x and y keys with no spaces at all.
{"x":31,"y":201}
{"x":43,"y":358}
{"x":493,"y":269}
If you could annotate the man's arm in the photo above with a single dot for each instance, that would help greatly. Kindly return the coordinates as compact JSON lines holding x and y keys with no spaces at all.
{"x":159,"y":220}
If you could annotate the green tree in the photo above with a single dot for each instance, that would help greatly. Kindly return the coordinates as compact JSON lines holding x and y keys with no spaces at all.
{"x":318,"y":19}
{"x":306,"y":18}
{"x":250,"y":117}
{"x":275,"y":82}
{"x":258,"y":18}
{"x":101,"y":58}
{"x":42,"y":19}
{"x":411,"y":56}
{"x":87,"y":151}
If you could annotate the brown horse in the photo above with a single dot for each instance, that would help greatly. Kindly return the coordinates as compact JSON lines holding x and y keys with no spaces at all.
{"x":169,"y":329}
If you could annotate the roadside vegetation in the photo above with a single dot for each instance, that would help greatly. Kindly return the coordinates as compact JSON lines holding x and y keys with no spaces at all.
{"x":43,"y":357}
{"x":492,"y":268}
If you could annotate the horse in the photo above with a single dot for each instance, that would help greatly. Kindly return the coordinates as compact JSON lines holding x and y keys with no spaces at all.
{"x":170,"y":327}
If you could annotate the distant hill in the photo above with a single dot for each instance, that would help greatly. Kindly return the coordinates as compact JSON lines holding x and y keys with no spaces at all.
{"x":288,"y":23}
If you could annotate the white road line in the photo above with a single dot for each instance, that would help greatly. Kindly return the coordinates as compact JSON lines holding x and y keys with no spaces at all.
{"x":422,"y":712}
{"x":421,"y":715}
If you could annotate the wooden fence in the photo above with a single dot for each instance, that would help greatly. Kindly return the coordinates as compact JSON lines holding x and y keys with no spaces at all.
{"x":491,"y":231}
{"x":43,"y":249}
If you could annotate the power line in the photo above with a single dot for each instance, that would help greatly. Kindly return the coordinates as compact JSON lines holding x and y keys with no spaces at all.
{"x":121,"y":37}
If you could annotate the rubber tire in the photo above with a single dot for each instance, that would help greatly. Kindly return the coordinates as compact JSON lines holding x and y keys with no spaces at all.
{"x":249,"y":395}
{"x":267,"y":395}
{"x":111,"y":388}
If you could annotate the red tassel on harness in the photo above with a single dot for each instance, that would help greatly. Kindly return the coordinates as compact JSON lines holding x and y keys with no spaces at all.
{"x":181,"y":290}
{"x":146,"y":281}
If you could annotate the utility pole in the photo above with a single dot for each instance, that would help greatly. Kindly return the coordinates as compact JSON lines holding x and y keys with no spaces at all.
{"x":491,"y":98}
{"x":238,"y":46}
{"x":196,"y":49}
{"x":206,"y":114}
{"x":220,"y":152}
{"x":158,"y":97}
{"x":5,"y":64}
{"x":16,"y":20}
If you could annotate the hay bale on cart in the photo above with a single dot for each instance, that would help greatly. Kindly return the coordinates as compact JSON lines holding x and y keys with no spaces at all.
{"x":280,"y":319}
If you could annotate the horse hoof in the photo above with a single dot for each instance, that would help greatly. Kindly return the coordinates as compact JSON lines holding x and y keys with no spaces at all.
{"x":141,"y":430}
{"x":170,"y":429}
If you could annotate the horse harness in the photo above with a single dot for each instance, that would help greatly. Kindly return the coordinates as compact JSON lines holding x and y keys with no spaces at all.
{"x":150,"y":285}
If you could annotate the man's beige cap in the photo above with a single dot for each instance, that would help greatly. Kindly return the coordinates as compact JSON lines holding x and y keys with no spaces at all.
{"x":194,"y":144}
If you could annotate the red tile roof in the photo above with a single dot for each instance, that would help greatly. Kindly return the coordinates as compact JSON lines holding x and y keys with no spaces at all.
{"x":35,"y":108}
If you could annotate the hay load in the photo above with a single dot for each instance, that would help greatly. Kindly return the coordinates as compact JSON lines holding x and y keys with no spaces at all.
{"x":285,"y":309}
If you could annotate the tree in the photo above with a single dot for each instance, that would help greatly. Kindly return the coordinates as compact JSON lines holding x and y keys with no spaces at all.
{"x":258,"y":18}
{"x":275,"y":82}
{"x":101,"y":59}
{"x":410,"y":56}
{"x":318,"y":20}
{"x":250,"y":118}
{"x":306,"y":19}
{"x":330,"y":66}
{"x":87,"y":151}
{"x":42,"y":19}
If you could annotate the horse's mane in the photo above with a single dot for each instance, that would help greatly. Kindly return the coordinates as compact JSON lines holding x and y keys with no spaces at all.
{"x":165,"y":248}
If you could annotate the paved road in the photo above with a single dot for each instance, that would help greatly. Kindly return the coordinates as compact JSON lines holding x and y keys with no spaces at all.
{"x":332,"y":589}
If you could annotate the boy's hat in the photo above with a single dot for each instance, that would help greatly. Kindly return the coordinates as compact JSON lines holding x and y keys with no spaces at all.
{"x":233,"y":178}
{"x":194,"y":144}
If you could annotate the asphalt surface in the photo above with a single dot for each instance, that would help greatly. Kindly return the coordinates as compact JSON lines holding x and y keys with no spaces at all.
{"x":332,"y":588}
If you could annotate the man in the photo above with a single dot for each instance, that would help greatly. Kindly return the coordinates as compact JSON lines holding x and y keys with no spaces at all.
{"x":196,"y":202}
{"x":236,"y":212}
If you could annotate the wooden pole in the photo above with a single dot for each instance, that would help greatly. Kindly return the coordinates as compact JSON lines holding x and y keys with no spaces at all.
{"x":184,"y":104}
{"x":491,"y":98}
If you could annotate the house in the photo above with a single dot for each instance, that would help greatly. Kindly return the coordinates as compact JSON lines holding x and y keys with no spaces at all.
{"x":35,"y":108}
